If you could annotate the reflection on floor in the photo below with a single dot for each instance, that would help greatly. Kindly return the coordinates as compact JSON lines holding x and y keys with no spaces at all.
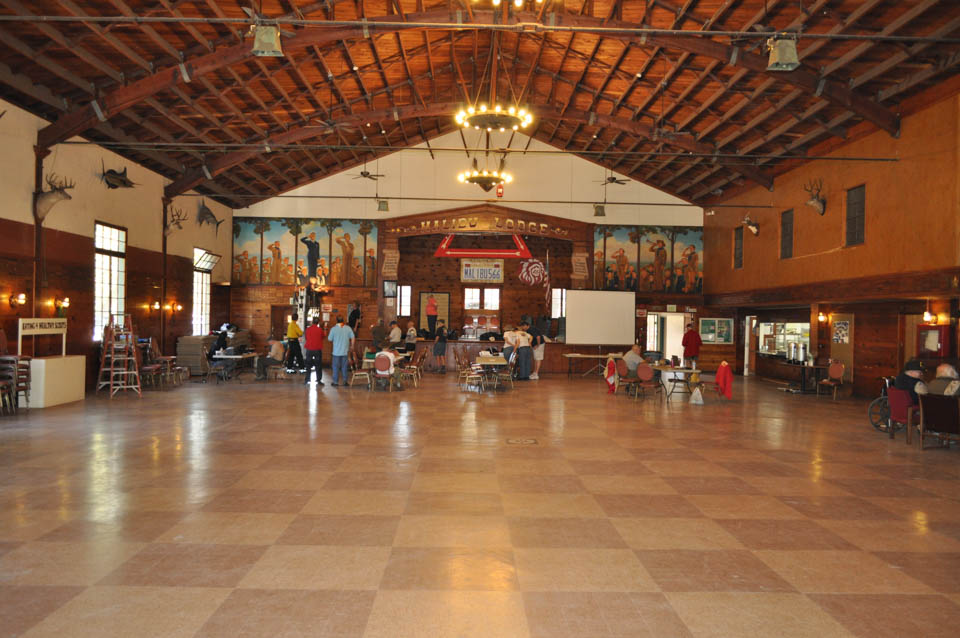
{"x":551,"y":510}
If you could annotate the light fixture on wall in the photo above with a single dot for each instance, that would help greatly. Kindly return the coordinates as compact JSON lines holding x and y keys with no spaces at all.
{"x":177,"y":307}
{"x":155,"y":305}
{"x":751,"y":225}
{"x":929,"y":317}
{"x":822,"y":318}
{"x":61,"y":305}
{"x":18,"y":300}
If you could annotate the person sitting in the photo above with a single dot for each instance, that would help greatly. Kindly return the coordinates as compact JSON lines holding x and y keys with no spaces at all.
{"x":633,"y":358}
{"x":378,"y":332}
{"x":386,"y":351}
{"x":274,"y":358}
{"x":911,"y":380}
{"x":947,"y":382}
{"x":509,"y":342}
{"x":410,"y":343}
{"x":396,"y":335}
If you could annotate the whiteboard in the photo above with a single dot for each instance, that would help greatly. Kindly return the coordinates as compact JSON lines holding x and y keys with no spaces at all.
{"x":600,"y":317}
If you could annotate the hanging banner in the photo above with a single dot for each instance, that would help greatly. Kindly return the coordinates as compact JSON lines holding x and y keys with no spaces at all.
{"x":391,"y":259}
{"x":481,"y":271}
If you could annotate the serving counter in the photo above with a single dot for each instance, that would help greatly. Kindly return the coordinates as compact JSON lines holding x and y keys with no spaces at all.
{"x":56,"y":380}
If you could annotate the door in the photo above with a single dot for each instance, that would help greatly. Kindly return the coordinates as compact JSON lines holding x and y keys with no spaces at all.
{"x":279,"y":318}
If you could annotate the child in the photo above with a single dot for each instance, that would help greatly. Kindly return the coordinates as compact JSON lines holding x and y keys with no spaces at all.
{"x":440,"y":346}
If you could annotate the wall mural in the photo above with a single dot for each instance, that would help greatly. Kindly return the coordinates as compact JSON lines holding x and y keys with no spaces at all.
{"x":273,"y":251}
{"x":649,"y":259}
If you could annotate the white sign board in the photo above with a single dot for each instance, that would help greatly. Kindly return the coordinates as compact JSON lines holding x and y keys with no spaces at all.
{"x":481,"y":271}
{"x":41,"y":326}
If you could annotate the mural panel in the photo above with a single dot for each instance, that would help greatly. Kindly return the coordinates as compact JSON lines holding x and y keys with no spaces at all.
{"x":336,"y":252}
{"x":666,"y":259}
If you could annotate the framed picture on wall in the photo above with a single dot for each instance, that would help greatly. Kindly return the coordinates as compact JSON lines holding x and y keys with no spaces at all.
{"x":434,"y":304}
{"x":389,"y":289}
{"x":725,"y":331}
{"x":708,"y":330}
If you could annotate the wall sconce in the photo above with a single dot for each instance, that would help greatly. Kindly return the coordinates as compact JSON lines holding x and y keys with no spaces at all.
{"x":156,"y":305}
{"x":18,"y":300}
{"x":822,"y":318}
{"x":383,"y":206}
{"x":929,"y":317}
{"x":61,"y":305}
{"x":177,"y":307}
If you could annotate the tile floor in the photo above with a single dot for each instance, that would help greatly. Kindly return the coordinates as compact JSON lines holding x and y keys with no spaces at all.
{"x":274,"y":510}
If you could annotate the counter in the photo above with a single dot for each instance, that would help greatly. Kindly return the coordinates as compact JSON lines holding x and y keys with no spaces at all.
{"x":56,"y":380}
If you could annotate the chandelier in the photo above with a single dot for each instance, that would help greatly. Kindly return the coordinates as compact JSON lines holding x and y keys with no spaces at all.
{"x":485,"y":179}
{"x":494,"y":118}
{"x":491,"y":116}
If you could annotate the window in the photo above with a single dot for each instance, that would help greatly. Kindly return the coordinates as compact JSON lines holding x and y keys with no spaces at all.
{"x":558,"y":305}
{"x":403,"y":301}
{"x":786,"y":234}
{"x":471,"y":298}
{"x":110,"y":276}
{"x":738,"y":247}
{"x":856,"y":207}
{"x":203,"y":263}
{"x":491,"y":299}
{"x":201,"y":302}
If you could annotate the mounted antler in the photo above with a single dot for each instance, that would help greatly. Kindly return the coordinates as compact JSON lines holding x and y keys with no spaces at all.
{"x":177,"y":216}
{"x":816,"y":202}
{"x":57,"y":193}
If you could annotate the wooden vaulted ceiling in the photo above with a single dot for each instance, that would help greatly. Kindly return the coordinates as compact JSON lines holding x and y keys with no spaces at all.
{"x":688,"y":114}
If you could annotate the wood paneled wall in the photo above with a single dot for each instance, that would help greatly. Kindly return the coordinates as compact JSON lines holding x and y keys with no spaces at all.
{"x":424,"y":272}
{"x":70,"y":274}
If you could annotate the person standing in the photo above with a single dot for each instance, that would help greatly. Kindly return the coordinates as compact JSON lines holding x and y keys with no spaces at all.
{"x":431,"y":312}
{"x":294,"y":354}
{"x":524,"y":352}
{"x":509,"y":342}
{"x":691,"y":346}
{"x":353,"y":320}
{"x":440,"y":347}
{"x":538,"y":343}
{"x":313,"y":251}
{"x":314,"y":343}
{"x":342,"y":338}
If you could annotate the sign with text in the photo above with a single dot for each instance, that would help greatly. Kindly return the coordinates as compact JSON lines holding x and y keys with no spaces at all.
{"x":41,"y":326}
{"x":391,"y":259}
{"x":481,"y":271}
{"x":579,"y":263}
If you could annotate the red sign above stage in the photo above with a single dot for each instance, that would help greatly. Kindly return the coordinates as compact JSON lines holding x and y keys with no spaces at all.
{"x":520,"y":252}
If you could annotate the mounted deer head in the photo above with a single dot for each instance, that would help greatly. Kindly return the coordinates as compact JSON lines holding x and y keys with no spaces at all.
{"x":57,"y":193}
{"x":177,"y":216}
{"x":816,"y":202}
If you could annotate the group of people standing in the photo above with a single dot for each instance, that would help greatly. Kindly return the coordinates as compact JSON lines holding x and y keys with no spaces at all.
{"x":527,"y":344}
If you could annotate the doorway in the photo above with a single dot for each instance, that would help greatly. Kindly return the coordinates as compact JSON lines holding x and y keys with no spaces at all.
{"x":665,"y":333}
{"x":750,"y":345}
{"x":279,"y":318}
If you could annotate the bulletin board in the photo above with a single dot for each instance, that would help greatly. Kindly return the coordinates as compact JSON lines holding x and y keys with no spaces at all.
{"x":841,"y":342}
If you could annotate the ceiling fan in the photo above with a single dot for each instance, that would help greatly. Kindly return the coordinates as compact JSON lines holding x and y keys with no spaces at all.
{"x":367,"y":174}
{"x":612,"y":179}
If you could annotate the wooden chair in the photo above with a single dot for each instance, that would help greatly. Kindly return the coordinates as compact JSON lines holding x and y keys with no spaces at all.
{"x":834,"y":378}
{"x":506,"y":374}
{"x":648,"y":381}
{"x":381,"y":371}
{"x":356,"y":369}
{"x":624,"y":380}
{"x":903,"y":411}
{"x":939,"y":417}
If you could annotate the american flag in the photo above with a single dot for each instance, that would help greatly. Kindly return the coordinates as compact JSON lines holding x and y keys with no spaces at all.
{"x":546,"y":281}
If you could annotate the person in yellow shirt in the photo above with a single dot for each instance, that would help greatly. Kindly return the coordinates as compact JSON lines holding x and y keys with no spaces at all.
{"x":294,"y":353}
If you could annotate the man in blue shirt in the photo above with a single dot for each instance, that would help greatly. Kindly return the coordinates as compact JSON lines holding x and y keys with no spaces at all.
{"x":342,"y":338}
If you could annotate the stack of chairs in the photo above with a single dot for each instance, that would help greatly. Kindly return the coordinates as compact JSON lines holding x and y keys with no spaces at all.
{"x":8,"y":385}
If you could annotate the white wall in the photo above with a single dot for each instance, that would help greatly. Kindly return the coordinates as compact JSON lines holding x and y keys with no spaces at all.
{"x":412,"y":173}
{"x":139,"y":209}
{"x":674,"y":341}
